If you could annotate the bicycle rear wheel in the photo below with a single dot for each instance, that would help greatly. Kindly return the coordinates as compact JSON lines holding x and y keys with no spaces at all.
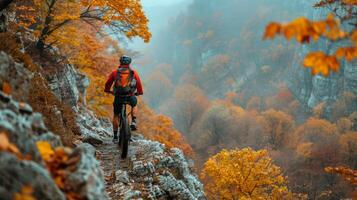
{"x":124,"y":135}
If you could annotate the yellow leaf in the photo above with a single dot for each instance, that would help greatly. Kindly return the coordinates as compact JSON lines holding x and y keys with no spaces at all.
{"x":25,"y":194}
{"x":45,"y":150}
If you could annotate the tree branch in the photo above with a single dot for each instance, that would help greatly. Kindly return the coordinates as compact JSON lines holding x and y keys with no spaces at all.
{"x":4,"y":4}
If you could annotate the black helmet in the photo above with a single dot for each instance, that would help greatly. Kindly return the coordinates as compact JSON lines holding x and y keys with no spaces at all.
{"x":125,"y":60}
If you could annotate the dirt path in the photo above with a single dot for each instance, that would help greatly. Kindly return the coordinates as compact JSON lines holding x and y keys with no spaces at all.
{"x":109,"y":156}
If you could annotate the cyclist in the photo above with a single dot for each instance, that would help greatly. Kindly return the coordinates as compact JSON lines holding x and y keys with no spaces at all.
{"x":127,"y":85}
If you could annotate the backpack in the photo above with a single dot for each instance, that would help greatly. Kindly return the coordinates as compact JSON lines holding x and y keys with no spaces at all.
{"x":125,"y":83}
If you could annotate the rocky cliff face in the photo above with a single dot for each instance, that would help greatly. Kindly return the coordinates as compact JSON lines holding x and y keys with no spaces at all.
{"x":23,"y":129}
{"x":150,"y":172}
{"x":312,"y":90}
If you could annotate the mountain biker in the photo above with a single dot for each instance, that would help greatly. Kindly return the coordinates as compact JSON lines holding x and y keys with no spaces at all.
{"x":123,"y":77}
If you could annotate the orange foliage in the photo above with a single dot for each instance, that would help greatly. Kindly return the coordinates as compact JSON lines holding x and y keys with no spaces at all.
{"x":302,"y":29}
{"x":59,"y":163}
{"x":348,"y":174}
{"x":160,"y":128}
{"x":6,"y":88}
{"x":244,"y":174}
{"x":25,"y":193}
{"x":280,"y":125}
{"x":56,"y":20}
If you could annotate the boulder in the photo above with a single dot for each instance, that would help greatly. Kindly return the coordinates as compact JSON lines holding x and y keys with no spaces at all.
{"x":87,"y":179}
{"x":15,"y":174}
{"x":16,"y":75}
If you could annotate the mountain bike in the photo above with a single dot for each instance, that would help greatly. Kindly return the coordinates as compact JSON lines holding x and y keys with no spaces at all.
{"x":125,"y":131}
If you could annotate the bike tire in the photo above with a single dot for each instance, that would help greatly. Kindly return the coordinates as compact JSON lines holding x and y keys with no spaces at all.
{"x":124,"y":132}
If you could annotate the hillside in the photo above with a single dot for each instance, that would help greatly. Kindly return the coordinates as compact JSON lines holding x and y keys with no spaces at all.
{"x":53,"y":147}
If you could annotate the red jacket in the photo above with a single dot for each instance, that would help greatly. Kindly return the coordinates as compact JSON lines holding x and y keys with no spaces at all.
{"x":113,"y":75}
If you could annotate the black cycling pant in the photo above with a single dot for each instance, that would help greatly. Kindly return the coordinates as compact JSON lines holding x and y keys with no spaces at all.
{"x":120,"y":100}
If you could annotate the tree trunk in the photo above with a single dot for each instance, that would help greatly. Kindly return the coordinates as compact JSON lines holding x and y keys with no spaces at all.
{"x":4,"y":4}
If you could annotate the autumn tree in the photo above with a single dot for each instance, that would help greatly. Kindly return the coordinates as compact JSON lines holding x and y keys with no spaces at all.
{"x":186,"y":106}
{"x":225,"y":125}
{"x":55,"y":19}
{"x":159,"y":87}
{"x":254,"y":103}
{"x":244,"y":174}
{"x":161,"y":128}
{"x":280,"y":125}
{"x":316,"y":146}
{"x":281,"y":100}
{"x":348,"y":147}
{"x":218,"y":72}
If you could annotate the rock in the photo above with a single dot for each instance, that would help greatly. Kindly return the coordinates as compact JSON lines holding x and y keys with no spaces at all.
{"x":132,"y":194}
{"x":87,"y":179}
{"x":24,"y":130}
{"x":14,"y":174}
{"x":16,"y":75}
{"x":90,"y":126}
{"x":82,"y":84}
{"x":122,"y":176}
{"x":25,"y":108}
{"x":157,"y":173}
{"x":92,"y":139}
{"x":63,"y":82}
{"x":175,"y":188}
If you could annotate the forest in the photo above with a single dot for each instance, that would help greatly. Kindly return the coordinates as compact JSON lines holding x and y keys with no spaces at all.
{"x":259,"y":96}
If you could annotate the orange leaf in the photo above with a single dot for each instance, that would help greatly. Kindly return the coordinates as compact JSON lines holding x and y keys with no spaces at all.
{"x":6,"y":88}
{"x":354,"y":36}
{"x":271,"y":30}
{"x":319,"y":62}
{"x":4,"y":141}
{"x":350,"y":2}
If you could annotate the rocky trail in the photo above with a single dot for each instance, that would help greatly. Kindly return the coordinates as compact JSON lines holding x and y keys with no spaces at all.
{"x":149,"y":172}
{"x":108,"y":155}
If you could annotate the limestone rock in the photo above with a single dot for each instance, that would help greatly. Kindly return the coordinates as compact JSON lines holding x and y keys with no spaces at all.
{"x":14,"y":174}
{"x":88,"y":178}
{"x":157,"y":173}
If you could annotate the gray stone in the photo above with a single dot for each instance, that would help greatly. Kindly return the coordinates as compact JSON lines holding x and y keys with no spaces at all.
{"x":14,"y":174}
{"x":88,"y":178}
{"x":63,"y":83}
{"x":92,"y":139}
{"x":89,"y":125}
{"x":16,"y":75}
{"x":132,"y":194}
{"x":122,"y":176}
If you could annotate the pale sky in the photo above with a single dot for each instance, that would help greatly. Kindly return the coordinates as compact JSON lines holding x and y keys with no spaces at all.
{"x":160,"y":2}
